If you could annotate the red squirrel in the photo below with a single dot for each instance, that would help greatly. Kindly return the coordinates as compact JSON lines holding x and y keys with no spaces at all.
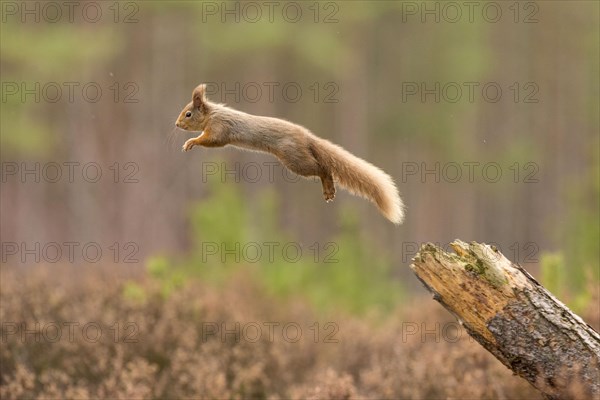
{"x":295,"y":146}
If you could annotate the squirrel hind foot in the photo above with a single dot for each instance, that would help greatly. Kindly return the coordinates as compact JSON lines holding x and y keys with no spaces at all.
{"x":329,"y":195}
{"x":328,"y":188}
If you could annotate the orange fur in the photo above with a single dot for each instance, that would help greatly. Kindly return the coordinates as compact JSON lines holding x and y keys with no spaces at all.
{"x":295,"y":146}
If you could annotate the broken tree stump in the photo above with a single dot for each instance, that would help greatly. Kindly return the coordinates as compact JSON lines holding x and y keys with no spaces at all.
{"x":514,"y":317}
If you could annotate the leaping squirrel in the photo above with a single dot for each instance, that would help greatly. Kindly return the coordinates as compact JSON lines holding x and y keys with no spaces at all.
{"x":295,"y":146}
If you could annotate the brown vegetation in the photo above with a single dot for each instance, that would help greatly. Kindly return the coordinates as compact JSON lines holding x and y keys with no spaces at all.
{"x":175,"y":358}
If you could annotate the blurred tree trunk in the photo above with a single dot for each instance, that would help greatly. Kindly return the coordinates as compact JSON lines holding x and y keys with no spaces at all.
{"x":514,"y":317}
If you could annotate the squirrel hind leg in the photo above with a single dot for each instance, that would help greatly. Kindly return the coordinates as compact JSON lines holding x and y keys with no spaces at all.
{"x":328,"y":187}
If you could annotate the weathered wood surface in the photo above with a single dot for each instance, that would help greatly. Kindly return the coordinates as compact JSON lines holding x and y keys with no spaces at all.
{"x":514,"y":317}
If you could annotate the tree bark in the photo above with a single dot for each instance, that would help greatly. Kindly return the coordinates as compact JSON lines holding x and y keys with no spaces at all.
{"x":514,"y":317}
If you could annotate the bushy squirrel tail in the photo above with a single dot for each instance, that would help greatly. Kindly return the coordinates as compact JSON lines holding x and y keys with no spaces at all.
{"x":362,"y":178}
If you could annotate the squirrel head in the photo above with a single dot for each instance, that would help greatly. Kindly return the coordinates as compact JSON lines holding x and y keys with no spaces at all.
{"x":194,"y":116}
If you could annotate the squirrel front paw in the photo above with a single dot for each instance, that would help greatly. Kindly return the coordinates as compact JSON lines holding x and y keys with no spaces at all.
{"x":188,"y":144}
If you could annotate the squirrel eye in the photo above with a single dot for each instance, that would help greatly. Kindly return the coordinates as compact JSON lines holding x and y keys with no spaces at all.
{"x":188,"y":114}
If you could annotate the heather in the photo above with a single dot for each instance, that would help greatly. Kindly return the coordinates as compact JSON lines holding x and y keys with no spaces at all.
{"x":167,"y":347}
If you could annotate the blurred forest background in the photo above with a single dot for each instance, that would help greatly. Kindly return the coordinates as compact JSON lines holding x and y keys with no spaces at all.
{"x":357,"y":65}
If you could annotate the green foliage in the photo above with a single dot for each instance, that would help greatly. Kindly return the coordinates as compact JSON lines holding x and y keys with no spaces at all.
{"x":50,"y":49}
{"x":553,"y":271}
{"x":555,"y":277}
{"x":23,"y":134}
{"x":345,"y":272}
{"x":134,"y":292}
{"x":573,"y":273}
{"x":583,"y":229}
{"x":158,"y":267}
{"x":49,"y":53}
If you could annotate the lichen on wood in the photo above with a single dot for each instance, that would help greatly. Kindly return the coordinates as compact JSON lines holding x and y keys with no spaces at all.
{"x":515,"y":318}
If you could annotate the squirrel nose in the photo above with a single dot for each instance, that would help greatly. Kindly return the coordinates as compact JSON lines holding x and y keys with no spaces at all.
{"x":177,"y":124}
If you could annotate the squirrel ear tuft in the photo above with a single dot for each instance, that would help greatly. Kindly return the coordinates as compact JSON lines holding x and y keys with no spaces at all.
{"x":199,"y":95}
